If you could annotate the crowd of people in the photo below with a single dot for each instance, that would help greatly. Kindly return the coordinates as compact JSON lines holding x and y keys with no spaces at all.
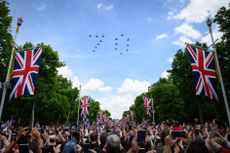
{"x":167,"y":137}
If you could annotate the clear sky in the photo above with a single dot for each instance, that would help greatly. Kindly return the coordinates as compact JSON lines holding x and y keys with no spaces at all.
{"x":140,"y":38}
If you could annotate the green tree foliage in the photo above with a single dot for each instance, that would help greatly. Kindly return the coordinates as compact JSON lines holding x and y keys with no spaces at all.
{"x":106,"y":113}
{"x":6,"y":39}
{"x":139,"y":109}
{"x":94,"y":110}
{"x":125,"y":113}
{"x":176,"y":95}
{"x":131,"y":108}
{"x":166,"y":98}
{"x":222,"y":18}
{"x":182,"y":77}
{"x":73,"y":105}
{"x":54,"y":98}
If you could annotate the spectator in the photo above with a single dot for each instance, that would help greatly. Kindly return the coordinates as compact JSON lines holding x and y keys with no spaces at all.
{"x":71,"y":146}
{"x":103,"y":138}
{"x":197,"y":147}
{"x":113,"y":144}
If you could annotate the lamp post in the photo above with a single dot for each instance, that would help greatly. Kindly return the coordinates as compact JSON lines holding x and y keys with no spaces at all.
{"x":1,"y":48}
{"x":209,"y":23}
{"x":6,"y":84}
{"x":79,"y":94}
{"x":149,"y":89}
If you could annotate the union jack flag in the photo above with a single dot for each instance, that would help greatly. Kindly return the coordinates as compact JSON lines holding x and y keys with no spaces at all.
{"x":203,"y":67}
{"x":101,"y":117}
{"x":25,"y":72}
{"x":84,"y":105}
{"x":85,"y":121}
{"x":107,"y":121}
{"x":147,"y":102}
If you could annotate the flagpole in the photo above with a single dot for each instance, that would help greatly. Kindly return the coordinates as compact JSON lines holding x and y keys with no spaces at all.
{"x":153,"y":112}
{"x":32,"y":121}
{"x":6,"y":84}
{"x":79,"y":104}
{"x":209,"y":23}
{"x":200,"y":112}
{"x":206,"y":49}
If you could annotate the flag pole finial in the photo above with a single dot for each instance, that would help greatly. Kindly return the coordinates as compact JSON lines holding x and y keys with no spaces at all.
{"x":209,"y":22}
{"x":19,"y":23}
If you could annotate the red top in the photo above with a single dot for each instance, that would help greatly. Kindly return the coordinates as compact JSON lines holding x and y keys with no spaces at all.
{"x":177,"y":129}
{"x":223,"y":150}
{"x":16,"y":147}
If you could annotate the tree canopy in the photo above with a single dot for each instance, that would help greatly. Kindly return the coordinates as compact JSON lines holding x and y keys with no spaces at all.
{"x":6,"y":39}
{"x":176,"y":94}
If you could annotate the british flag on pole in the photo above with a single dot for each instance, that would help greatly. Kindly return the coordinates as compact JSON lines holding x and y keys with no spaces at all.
{"x":101,"y":117}
{"x":147,"y":102}
{"x":25,"y":72}
{"x":203,"y":67}
{"x":84,"y":105}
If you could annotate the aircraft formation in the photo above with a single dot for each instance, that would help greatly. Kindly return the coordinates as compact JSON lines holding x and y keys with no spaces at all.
{"x":121,"y":43}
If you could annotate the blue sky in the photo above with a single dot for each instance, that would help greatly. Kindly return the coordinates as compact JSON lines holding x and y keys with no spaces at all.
{"x":156,"y":29}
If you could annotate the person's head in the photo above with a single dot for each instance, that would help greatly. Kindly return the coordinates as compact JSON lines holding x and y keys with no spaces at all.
{"x":113,"y":143}
{"x":176,"y":123}
{"x":197,"y":147}
{"x":93,"y":136}
{"x":164,"y":133}
{"x":103,"y":138}
{"x":76,"y":135}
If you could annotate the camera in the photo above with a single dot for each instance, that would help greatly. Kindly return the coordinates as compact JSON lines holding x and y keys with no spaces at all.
{"x":141,"y":150}
{"x":86,"y":147}
{"x":176,"y":134}
{"x":141,"y":137}
{"x":52,"y":139}
{"x":24,"y":148}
